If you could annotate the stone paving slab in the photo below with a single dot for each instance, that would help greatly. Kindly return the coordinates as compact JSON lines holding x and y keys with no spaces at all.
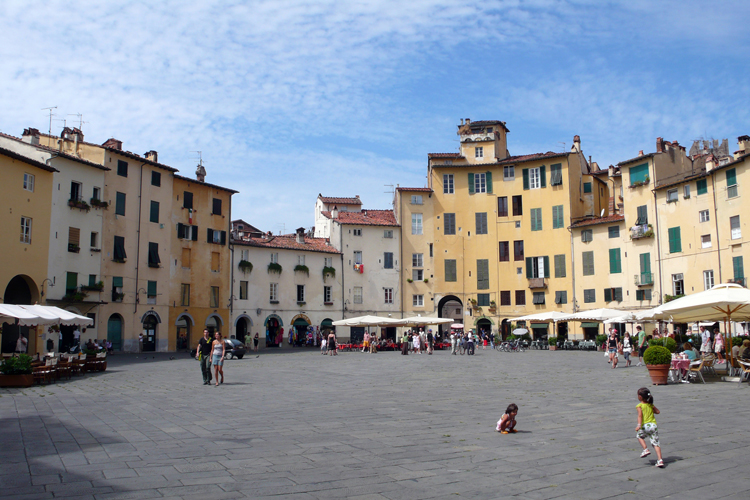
{"x":302,"y":426}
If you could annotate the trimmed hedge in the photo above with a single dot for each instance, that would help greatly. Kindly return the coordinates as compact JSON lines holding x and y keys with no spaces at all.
{"x":657,"y":355}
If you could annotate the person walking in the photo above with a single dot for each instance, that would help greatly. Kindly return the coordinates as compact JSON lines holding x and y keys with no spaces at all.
{"x":647,"y":424}
{"x":405,"y":344}
{"x":613,"y":344}
{"x":641,"y":344}
{"x":454,"y":341}
{"x":203,"y":355}
{"x":218,"y":349}
{"x":331,"y":344}
{"x":705,"y":341}
{"x":416,"y":342}
{"x":627,"y":348}
{"x":430,"y":340}
{"x":718,"y":345}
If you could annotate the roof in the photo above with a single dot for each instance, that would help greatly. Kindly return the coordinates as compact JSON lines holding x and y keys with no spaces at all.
{"x":485,"y":123}
{"x":511,"y":160}
{"x":700,"y":174}
{"x":444,"y":155}
{"x":136,"y":157}
{"x":246,"y":226}
{"x":365,"y":218}
{"x":56,"y":152}
{"x":637,"y":158}
{"x":289,"y":242}
{"x":27,"y":160}
{"x":599,"y":220}
{"x":196,"y":181}
{"x":424,"y":190}
{"x":340,"y":200}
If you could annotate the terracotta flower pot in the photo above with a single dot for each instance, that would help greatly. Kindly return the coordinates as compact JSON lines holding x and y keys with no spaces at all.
{"x":553,"y":348}
{"x":26,"y":380}
{"x":659,"y":374}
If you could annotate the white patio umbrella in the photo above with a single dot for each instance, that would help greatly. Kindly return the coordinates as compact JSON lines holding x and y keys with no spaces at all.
{"x":426,"y":320}
{"x":542,"y":317}
{"x":10,"y":313}
{"x":369,"y":321}
{"x":600,"y":315}
{"x":65,"y":317}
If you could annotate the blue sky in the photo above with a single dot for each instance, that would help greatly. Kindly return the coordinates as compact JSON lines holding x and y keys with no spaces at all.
{"x":288,"y":99}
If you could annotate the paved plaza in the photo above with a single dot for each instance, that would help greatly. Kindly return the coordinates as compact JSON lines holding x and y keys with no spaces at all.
{"x":295,"y":424}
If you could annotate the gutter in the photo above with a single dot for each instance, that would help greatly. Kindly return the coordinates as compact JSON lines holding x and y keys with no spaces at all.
{"x":138,"y":241}
{"x":716,"y":222}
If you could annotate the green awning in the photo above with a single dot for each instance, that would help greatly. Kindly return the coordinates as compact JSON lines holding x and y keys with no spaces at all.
{"x":540,"y":326}
{"x":589,"y":325}
{"x":326,"y":322}
{"x":300,"y":322}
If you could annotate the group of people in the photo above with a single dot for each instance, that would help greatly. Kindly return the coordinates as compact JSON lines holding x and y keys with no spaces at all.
{"x":417,"y":341}
{"x":465,"y":340}
{"x":95,"y":345}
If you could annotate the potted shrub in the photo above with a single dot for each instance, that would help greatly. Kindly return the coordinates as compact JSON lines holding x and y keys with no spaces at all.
{"x":16,"y":372}
{"x":245,"y":266}
{"x":658,"y":359}
{"x":552,"y":341}
{"x":667,"y":342}
{"x":600,"y":340}
{"x":328,"y":271}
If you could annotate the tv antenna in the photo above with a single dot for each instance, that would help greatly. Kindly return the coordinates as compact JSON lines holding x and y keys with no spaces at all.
{"x":200,"y":156}
{"x":564,"y":145}
{"x":50,"y":117}
{"x":283,"y":228}
{"x":391,"y":191}
{"x":80,"y":120}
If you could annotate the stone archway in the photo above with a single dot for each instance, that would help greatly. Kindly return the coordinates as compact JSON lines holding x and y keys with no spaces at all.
{"x":452,"y":307}
{"x":21,"y":290}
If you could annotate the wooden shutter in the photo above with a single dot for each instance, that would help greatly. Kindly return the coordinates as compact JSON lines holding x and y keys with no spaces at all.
{"x":180,"y":230}
{"x":731,"y":177}
{"x":618,"y":294}
{"x":675,"y":243}
{"x":489,"y":182}
{"x":614,"y":261}
{"x":607,"y":295}
{"x":71,"y":281}
{"x":588,"y":263}
{"x":450,"y":270}
{"x":187,"y":199}
{"x":153,"y":254}
{"x":194,"y":234}
{"x":529,"y":268}
{"x":560,"y":266}
{"x":210,"y":235}
{"x":151,"y":289}
{"x":701,"y":186}
{"x":471,"y":183}
{"x":525,"y":178}
{"x":504,"y":251}
{"x":119,"y":253}
{"x":642,"y":215}
{"x":547,"y":273}
{"x":739,"y":267}
{"x":223,"y":237}
{"x":117,"y":281}
{"x":543,"y":176}
{"x":217,"y":206}
{"x":483,"y":274}
{"x":74,"y":236}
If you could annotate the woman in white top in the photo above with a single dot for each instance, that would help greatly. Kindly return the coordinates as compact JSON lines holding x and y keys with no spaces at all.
{"x":627,"y":348}
{"x":416,"y":341}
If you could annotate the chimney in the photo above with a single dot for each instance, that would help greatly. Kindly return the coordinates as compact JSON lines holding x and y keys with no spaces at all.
{"x":200,"y":172}
{"x":113,"y":144}
{"x":577,"y":143}
{"x":31,"y":135}
{"x":335,"y":212}
{"x":468,"y":121}
{"x":640,"y":153}
{"x":300,"y":235}
{"x":743,"y":144}
{"x":710,"y":162}
{"x":659,"y":145}
{"x":152,"y":156}
{"x":462,"y":121}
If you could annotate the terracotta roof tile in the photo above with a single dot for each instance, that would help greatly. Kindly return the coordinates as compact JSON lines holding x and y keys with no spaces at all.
{"x":425,"y":190}
{"x":27,"y":160}
{"x":444,"y":155}
{"x":340,"y":200}
{"x":599,"y":220}
{"x":289,"y":242}
{"x":366,"y":218}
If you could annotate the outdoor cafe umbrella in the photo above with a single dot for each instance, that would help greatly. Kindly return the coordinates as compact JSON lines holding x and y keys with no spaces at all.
{"x":11,"y":313}
{"x":64,"y":317}
{"x":369,"y":321}
{"x":542,"y":317}
{"x":600,"y":315}
{"x":426,"y":320}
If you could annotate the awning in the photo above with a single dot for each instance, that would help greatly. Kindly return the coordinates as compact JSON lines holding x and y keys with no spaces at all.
{"x":326,"y":322}
{"x":300,"y":322}
{"x":589,"y":325}
{"x":539,"y":326}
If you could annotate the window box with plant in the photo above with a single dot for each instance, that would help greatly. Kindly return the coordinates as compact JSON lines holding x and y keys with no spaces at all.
{"x":245,"y":266}
{"x":97,"y":287}
{"x":273,"y":267}
{"x":117,"y":296}
{"x":16,"y":372}
{"x":96,"y":203}
{"x":658,"y":360}
{"x":644,"y":182}
{"x":73,"y":248}
{"x":329,"y":271}
{"x":74,"y":297}
{"x":409,"y":280}
{"x":301,"y":268}
{"x":80,"y":204}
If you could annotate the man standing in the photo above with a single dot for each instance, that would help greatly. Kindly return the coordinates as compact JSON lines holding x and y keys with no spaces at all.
{"x":453,"y":342}
{"x":705,"y":341}
{"x":76,"y":336}
{"x":203,"y":355}
{"x":21,"y":344}
{"x":641,"y":343}
{"x":430,"y":340}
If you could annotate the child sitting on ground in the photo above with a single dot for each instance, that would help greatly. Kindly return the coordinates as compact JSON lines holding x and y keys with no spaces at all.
{"x":507,"y":422}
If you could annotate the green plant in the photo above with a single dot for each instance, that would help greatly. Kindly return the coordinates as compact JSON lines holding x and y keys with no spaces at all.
{"x":273,"y":267}
{"x":670,"y":298}
{"x":552,"y":341}
{"x":91,"y":352}
{"x":75,"y":297}
{"x":600,"y":339}
{"x":245,"y":266}
{"x":737,"y":341}
{"x":426,"y":280}
{"x":409,"y":280}
{"x":302,"y":269}
{"x":98,"y":287}
{"x":98,"y":203}
{"x":657,"y":355}
{"x":667,"y":342}
{"x":329,"y":270}
{"x":20,"y":365}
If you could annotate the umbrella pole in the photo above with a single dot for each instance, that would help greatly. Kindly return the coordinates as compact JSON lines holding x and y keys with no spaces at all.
{"x":728,"y":342}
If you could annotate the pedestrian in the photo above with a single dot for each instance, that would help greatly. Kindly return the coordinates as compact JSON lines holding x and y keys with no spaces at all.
{"x":76,"y":336}
{"x":641,"y":343}
{"x":484,"y":341}
{"x":507,"y":422}
{"x":218,"y":349}
{"x":613,"y":344}
{"x":454,"y":341}
{"x":405,"y":344}
{"x":647,"y":424}
{"x":255,"y":342}
{"x":140,"y":342}
{"x":203,"y":355}
{"x":366,"y":342}
{"x":705,"y":341}
{"x":718,"y":345}
{"x":430,"y":340}
{"x":323,"y":348}
{"x":331,"y":345}
{"x":416,"y":342}
{"x":21,"y":344}
{"x":627,"y":348}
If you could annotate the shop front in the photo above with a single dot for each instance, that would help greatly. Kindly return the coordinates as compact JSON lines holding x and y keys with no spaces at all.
{"x":274,"y":330}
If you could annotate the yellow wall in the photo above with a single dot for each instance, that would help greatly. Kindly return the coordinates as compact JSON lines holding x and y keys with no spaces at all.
{"x":411,"y":244}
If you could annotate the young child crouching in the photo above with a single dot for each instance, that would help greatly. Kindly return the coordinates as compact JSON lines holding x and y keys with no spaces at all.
{"x":507,"y":422}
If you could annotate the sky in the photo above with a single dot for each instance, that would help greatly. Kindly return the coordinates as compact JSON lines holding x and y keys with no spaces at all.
{"x":287,"y":99}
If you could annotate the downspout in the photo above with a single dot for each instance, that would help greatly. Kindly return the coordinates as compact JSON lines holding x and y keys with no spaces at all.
{"x":658,"y":240}
{"x":716,"y":222}
{"x":138,"y":241}
{"x":231,"y":259}
{"x":343,"y":273}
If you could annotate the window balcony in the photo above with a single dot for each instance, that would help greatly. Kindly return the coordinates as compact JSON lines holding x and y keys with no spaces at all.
{"x":644,"y":279}
{"x":73,"y":248}
{"x":739,"y":281}
{"x":641,"y":231}
{"x":537,"y":283}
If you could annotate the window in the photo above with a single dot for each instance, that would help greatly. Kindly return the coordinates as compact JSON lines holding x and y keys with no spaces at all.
{"x":675,"y":243}
{"x":417,"y":259}
{"x":74,"y":239}
{"x":614,"y":231}
{"x":215,"y":262}
{"x":28,"y":182}
{"x":678,"y":285}
{"x":538,"y":298}
{"x":739,"y":268}
{"x":430,"y":249}
{"x":479,"y":152}
{"x":532,"y":178}
{"x":520,"y":297}
{"x":686,"y":191}
{"x":615,"y":262}
{"x":187,"y":199}
{"x":185,"y":258}
{"x":357,"y":294}
{"x":536,"y":219}
{"x":388,"y":292}
{"x":153,"y":255}
{"x":96,"y":194}
{"x":416,"y":224}
{"x":300,"y":260}
{"x":357,"y":257}
{"x":388,"y":260}
{"x":155,"y":178}
{"x":449,"y":224}
{"x":300,"y":293}
{"x":119,"y":203}
{"x":243,"y":290}
{"x":483,"y":299}
{"x":480,"y":183}
{"x":417,"y":300}
{"x":216,"y":208}
{"x":586,"y":187}
{"x":734,"y":224}
{"x":537,"y":267}
{"x":509,"y":173}
{"x":588,"y":263}
{"x":122,"y":168}
{"x":185,"y":232}
{"x":151,"y":292}
{"x":638,"y":174}
{"x":117,"y":294}
{"x":518,"y":250}
{"x":450,"y":270}
{"x":505,"y":298}
{"x":357,"y":232}
{"x":703,"y":216}
{"x":558,"y":220}
{"x":94,"y":240}
{"x":706,"y":241}
{"x":185,"y":294}
{"x":216,"y":236}
{"x":587,"y":235}
{"x":504,"y":251}
{"x":502,"y":206}
{"x":214,"y":298}
{"x":447,"y":183}
{"x":517,"y":205}
{"x":388,"y":233}
{"x":417,"y":274}
{"x":327,"y":261}
{"x":642,"y":215}
{"x":274,"y":292}
{"x":154,"y":215}
{"x":589,"y":296}
{"x":483,"y":274}
{"x":416,"y":199}
{"x":701,"y":186}
{"x":560,"y":266}
{"x":327,"y":296}
{"x":731,"y":183}
{"x":672,"y":195}
{"x":708,"y":280}
{"x":613,"y":294}
{"x":71,"y":283}
{"x":561,"y":297}
{"x":555,"y":174}
{"x":75,"y":191}
{"x":119,"y":249}
{"x":481,"y":222}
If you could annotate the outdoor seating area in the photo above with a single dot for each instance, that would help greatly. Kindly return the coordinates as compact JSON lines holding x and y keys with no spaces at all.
{"x":53,"y":367}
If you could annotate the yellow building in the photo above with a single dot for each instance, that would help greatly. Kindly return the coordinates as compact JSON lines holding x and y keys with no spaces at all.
{"x":201,"y":272}
{"x":26,"y":194}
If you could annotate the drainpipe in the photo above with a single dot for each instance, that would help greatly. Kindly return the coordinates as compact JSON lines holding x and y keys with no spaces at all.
{"x":658,"y":239}
{"x":343,"y":273}
{"x":138,"y":242}
{"x":573,"y":267}
{"x":231,"y":260}
{"x":716,"y":222}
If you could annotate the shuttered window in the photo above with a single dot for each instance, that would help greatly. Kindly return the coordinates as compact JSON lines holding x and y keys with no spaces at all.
{"x":154,"y":214}
{"x":450,"y":270}
{"x":71,"y":283}
{"x":504,"y":251}
{"x":151,"y":289}
{"x":119,"y":203}
{"x":187,"y":199}
{"x":642,"y":215}
{"x":614,"y":231}
{"x":538,"y":298}
{"x":613,"y":294}
{"x":153,"y":255}
{"x":644,"y":294}
{"x":505,"y":298}
{"x":517,"y":205}
{"x":520,"y":297}
{"x":537,"y":267}
{"x":74,"y":237}
{"x":555,"y":175}
{"x":589,"y":296}
{"x":217,"y":206}
{"x":587,"y":235}
{"x":738,"y":267}
{"x":560,"y":266}
{"x":502,"y":206}
{"x":536,"y":219}
{"x":561,"y":297}
{"x":615,"y":264}
{"x":588,"y":263}
{"x":518,"y":250}
{"x":675,"y":242}
{"x":701,"y":186}
{"x":731,"y":183}
{"x":483,"y":274}
{"x":116,"y":281}
{"x":483,"y":299}
{"x":388,"y":260}
{"x":119,"y":250}
{"x":214,"y":301}
{"x":639,"y":173}
{"x":558,"y":220}
{"x":481,"y":222}
{"x":449,"y":224}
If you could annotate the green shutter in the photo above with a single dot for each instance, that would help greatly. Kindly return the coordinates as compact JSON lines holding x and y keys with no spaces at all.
{"x":450,"y":270}
{"x":739,"y":268}
{"x":489,"y":182}
{"x":154,"y":216}
{"x":92,"y":279}
{"x":529,"y":268}
{"x":151,"y":292}
{"x":547,"y":273}
{"x":645,"y":263}
{"x":471,"y":183}
{"x":731,"y":177}
{"x":559,"y":266}
{"x":615,"y":265}
{"x":675,"y":243}
{"x":588,"y":263}
{"x":71,"y":281}
{"x":557,"y":217}
{"x":483,"y":274}
{"x":607,"y":295}
{"x":639,"y":173}
{"x":618,"y":294}
{"x":525,"y":178}
{"x":117,"y":281}
{"x":701,"y":186}
{"x":642,"y":214}
{"x":543,"y":175}
{"x":120,"y":203}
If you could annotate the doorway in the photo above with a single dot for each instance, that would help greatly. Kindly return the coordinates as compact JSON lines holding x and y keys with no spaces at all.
{"x":114,"y":331}
{"x":149,"y":334}
{"x":300,"y":331}
{"x":183,"y":333}
{"x":273,"y":327}
{"x":240,"y":329}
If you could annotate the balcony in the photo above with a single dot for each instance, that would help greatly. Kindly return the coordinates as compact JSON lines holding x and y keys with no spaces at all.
{"x":73,"y":248}
{"x":537,"y":283}
{"x":641,"y":231}
{"x":644,"y":279}
{"x":739,"y":281}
